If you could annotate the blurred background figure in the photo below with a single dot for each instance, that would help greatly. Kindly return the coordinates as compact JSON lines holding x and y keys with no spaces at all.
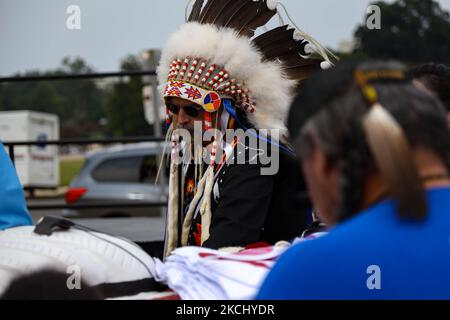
{"x":13,"y":209}
{"x":376,"y":157}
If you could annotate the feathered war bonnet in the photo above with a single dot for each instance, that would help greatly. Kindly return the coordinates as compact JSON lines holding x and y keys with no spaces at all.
{"x":216,"y":56}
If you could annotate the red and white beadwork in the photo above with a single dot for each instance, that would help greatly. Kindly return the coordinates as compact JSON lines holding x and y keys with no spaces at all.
{"x":209,"y":100}
{"x":194,"y":79}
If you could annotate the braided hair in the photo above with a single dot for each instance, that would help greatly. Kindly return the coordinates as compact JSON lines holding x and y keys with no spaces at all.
{"x":435,"y":77}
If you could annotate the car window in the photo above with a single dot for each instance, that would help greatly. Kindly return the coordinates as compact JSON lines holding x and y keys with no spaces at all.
{"x":149,"y":170}
{"x":137,"y":169}
{"x":124,"y":169}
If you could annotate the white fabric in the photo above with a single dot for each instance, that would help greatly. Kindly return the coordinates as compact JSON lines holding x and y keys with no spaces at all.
{"x":310,"y":237}
{"x":101,"y":260}
{"x":204,"y":274}
{"x":194,"y":273}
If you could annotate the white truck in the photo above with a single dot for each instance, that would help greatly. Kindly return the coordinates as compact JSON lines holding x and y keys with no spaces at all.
{"x":37,"y":166}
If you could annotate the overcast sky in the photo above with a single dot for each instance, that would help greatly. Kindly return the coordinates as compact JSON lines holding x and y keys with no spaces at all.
{"x":34,"y":36}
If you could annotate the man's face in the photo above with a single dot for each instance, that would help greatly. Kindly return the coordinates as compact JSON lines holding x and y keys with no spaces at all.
{"x":185,"y":117}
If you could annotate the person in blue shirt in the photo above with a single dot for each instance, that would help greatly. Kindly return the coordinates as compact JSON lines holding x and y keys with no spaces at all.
{"x":375,"y":151}
{"x":13,"y":208}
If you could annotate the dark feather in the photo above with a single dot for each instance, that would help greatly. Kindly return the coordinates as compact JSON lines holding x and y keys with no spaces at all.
{"x":212,"y":10}
{"x":304,"y":72}
{"x":196,"y":10}
{"x":285,"y":50}
{"x":260,"y":17}
{"x":269,"y":36}
{"x":281,"y":39}
{"x":245,"y":16}
{"x":238,"y":19}
{"x":229,"y":11}
{"x":216,"y":11}
{"x":209,"y":4}
{"x":294,"y":59}
{"x":278,"y":52}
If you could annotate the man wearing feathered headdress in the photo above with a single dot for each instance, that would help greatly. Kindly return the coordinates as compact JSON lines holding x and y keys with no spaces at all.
{"x":216,"y":74}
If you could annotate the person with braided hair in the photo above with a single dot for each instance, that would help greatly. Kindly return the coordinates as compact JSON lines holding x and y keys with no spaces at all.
{"x":375,"y":152}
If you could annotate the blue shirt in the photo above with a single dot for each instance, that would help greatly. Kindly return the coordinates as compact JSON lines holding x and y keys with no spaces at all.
{"x":373,"y":256}
{"x":13,"y":208}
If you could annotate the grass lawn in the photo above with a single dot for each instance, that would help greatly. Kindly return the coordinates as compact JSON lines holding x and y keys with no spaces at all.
{"x":69,"y":169}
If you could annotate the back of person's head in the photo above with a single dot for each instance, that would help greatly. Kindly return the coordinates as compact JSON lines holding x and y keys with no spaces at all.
{"x":48,"y":285}
{"x":366,"y":118}
{"x":435,"y":77}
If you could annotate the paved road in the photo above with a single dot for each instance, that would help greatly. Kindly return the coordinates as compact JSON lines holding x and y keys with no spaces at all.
{"x":149,"y":229}
{"x":139,"y":229}
{"x":37,"y":214}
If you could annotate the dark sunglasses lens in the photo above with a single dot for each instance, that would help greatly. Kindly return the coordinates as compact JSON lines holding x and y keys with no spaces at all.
{"x":173,"y":108}
{"x":192,"y":111}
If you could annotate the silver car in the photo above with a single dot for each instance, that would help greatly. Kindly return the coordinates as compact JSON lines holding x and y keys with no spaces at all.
{"x":117,"y":177}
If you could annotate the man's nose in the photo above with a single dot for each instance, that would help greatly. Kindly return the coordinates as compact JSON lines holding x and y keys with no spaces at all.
{"x":183,"y":117}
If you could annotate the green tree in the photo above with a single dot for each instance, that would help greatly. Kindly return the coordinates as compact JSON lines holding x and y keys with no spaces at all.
{"x":84,"y":101}
{"x":413,"y":31}
{"x":80,"y":104}
{"x":125,"y":109}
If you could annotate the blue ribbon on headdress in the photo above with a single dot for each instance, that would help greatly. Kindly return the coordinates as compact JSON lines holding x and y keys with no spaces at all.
{"x":230,"y":109}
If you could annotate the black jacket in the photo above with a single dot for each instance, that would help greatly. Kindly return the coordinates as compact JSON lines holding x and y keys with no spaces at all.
{"x":254,"y":208}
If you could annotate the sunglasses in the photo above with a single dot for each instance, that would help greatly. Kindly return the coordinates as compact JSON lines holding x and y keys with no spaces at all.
{"x":192,"y":110}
